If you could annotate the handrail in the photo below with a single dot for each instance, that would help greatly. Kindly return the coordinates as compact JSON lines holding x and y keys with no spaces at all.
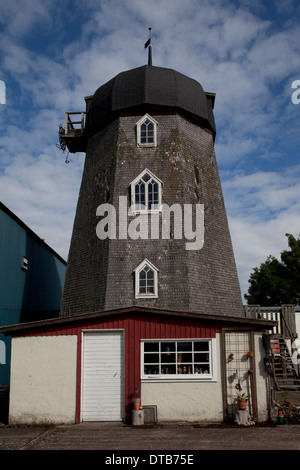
{"x":69,"y":124}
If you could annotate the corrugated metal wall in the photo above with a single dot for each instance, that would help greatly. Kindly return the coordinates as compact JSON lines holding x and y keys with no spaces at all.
{"x":25,"y":294}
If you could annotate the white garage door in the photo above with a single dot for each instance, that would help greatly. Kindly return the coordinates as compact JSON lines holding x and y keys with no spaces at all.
{"x":103,"y":376}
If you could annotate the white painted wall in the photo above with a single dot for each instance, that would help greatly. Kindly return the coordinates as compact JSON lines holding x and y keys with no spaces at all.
{"x":185,"y":401}
{"x":297,"y":314}
{"x":261,"y":379}
{"x":202,"y":401}
{"x":43,"y":380}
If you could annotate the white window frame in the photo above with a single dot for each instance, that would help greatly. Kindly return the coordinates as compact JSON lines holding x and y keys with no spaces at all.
{"x":133,"y":184}
{"x":179,"y":377}
{"x":139,"y":132}
{"x":2,"y":352}
{"x":137,"y":272}
{"x":24,"y":264}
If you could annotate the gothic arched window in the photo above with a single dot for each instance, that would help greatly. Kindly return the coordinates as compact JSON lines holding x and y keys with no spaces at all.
{"x":146,"y":285}
{"x":146,"y":131}
{"x":146,"y":192}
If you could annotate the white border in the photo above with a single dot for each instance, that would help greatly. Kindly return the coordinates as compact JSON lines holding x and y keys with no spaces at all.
{"x":132,"y":190}
{"x":137,"y":277}
{"x":138,"y":131}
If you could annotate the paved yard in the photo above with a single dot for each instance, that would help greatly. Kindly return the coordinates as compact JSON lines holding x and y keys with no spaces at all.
{"x":169,"y":436}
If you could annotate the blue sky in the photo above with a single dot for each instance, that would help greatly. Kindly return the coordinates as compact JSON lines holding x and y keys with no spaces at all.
{"x":52,"y":54}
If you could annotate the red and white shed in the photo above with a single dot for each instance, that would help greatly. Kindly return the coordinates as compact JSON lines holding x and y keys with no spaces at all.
{"x":88,"y":368}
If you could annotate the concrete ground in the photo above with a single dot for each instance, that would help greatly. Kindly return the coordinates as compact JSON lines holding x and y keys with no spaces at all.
{"x":184,"y":437}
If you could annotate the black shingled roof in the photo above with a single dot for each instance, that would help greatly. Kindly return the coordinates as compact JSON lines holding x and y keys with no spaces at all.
{"x":156,"y":87}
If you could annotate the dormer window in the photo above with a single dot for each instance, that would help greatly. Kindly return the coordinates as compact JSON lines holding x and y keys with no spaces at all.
{"x":146,"y":131}
{"x":146,"y":192}
{"x":146,"y":280}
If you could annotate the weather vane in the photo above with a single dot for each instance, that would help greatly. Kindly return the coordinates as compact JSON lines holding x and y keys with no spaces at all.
{"x":148,"y":44}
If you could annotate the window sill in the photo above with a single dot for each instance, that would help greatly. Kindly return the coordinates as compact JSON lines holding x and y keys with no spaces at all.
{"x":144,"y":211}
{"x":149,"y":296}
{"x":146,"y":145}
{"x":163,"y":378}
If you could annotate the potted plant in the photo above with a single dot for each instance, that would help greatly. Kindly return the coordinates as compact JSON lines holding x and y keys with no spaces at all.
{"x":250,"y":354}
{"x":242,"y":401}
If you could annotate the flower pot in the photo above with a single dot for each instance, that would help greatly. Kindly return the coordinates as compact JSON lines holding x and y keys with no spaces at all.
{"x":242,"y":404}
{"x":136,"y":403}
{"x":249,"y":354}
{"x":280,"y":417}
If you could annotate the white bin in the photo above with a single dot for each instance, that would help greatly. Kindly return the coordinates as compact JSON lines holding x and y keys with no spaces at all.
{"x":137,"y":417}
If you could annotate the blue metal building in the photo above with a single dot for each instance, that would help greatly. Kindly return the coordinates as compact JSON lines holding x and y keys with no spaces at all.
{"x":31,"y":280}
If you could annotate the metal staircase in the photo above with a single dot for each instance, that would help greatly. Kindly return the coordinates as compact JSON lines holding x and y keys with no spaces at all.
{"x":280,"y":365}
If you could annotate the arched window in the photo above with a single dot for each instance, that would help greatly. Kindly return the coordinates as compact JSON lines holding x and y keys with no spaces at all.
{"x":146,"y":192}
{"x":146,"y":280}
{"x":147,"y":131}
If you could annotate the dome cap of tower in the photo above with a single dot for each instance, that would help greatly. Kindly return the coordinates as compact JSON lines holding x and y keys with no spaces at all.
{"x":154,"y":88}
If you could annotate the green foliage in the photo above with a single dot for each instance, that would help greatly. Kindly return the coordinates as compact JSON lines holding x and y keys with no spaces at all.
{"x":242,"y":396}
{"x":277,"y":282}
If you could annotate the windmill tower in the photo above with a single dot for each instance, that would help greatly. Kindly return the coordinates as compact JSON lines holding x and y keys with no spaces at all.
{"x":148,"y":135}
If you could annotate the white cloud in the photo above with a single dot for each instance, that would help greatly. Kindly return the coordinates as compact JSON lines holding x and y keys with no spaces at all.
{"x":254,"y":242}
{"x":42,"y":191}
{"x":18,"y":17}
{"x":263,"y":193}
{"x":263,"y":206}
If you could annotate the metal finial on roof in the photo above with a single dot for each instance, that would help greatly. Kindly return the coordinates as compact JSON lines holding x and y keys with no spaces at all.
{"x":148,"y":44}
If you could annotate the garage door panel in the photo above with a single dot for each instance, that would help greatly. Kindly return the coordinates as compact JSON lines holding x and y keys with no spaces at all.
{"x":103,"y":387}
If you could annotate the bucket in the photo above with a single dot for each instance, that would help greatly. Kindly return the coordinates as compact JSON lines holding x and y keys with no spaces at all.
{"x":137,"y":417}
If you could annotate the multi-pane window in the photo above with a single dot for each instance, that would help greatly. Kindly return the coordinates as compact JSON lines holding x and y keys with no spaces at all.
{"x":146,"y":280}
{"x":183,"y":359}
{"x":146,"y":192}
{"x":146,"y":131}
